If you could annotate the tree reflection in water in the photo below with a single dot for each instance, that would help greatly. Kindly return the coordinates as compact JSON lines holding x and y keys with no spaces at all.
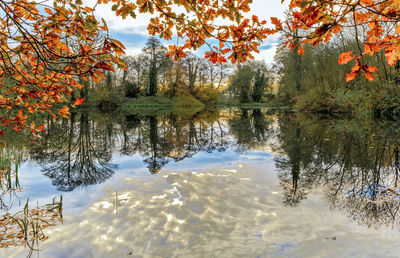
{"x":357,"y":165}
{"x":78,"y":152}
{"x":75,"y":152}
{"x":250,"y":130}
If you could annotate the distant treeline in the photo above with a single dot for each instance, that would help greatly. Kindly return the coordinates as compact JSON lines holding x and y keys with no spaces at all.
{"x":151,"y":73}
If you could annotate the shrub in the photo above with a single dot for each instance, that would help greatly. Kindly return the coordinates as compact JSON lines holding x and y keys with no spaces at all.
{"x":208,"y":95}
{"x":131,"y":89}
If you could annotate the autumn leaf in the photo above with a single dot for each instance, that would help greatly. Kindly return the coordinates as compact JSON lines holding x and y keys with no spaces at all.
{"x":317,"y":23}
{"x":372,"y":69}
{"x":277,"y":23}
{"x":104,"y":66}
{"x":42,"y":74}
{"x":78,"y":101}
{"x":351,"y":76}
{"x":345,"y":57}
{"x":369,"y":76}
{"x":64,"y":111}
{"x":300,"y":51}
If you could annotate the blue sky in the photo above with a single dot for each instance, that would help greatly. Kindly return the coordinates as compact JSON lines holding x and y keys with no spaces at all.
{"x":133,"y":33}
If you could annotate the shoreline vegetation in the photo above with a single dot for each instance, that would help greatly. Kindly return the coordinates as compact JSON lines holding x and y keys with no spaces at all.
{"x":152,"y":81}
{"x":311,"y":83}
{"x":148,"y":103}
{"x":188,"y":104}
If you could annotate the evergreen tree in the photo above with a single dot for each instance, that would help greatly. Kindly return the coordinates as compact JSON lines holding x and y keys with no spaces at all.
{"x":156,"y":51}
{"x":241,"y":83}
{"x":259,"y":86}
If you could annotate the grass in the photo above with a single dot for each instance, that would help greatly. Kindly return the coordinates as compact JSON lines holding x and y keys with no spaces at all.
{"x":162,"y":101}
{"x":271,"y":104}
{"x":161,"y":105}
{"x":147,"y":102}
{"x":187,"y":101}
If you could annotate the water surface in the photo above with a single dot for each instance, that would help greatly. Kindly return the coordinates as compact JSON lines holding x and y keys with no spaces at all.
{"x":222,"y":183}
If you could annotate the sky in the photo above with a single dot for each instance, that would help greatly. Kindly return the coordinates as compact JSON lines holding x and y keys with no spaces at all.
{"x":133,"y":33}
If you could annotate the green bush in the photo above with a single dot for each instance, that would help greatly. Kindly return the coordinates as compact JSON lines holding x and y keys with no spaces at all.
{"x":106,"y":99}
{"x":208,"y":95}
{"x":131,"y":89}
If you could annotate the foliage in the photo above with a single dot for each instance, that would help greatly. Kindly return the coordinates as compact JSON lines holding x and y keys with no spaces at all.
{"x":208,"y":95}
{"x":131,"y":89}
{"x":48,"y":50}
{"x":260,"y":84}
{"x":106,"y":99}
{"x":191,"y":75}
{"x":374,"y":22}
{"x":320,"y":84}
{"x":241,"y":83}
{"x":249,"y":82}
{"x":44,"y":48}
{"x":175,"y":81}
{"x":197,"y":22}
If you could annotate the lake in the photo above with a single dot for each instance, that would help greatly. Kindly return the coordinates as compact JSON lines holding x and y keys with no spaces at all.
{"x":218,"y":183}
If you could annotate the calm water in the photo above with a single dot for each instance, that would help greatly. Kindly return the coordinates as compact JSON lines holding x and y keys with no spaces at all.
{"x":226,"y":183}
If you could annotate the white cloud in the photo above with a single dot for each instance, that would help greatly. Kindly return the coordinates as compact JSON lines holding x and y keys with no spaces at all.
{"x":133,"y":50}
{"x":265,"y":9}
{"x":267,"y":55}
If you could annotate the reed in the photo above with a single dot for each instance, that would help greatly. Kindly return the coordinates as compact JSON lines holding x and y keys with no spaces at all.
{"x":26,"y":227}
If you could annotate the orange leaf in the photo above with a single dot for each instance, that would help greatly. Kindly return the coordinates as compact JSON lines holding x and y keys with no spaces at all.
{"x":78,"y":101}
{"x":372,"y":69}
{"x":64,"y":111}
{"x":345,"y":57}
{"x":351,"y":76}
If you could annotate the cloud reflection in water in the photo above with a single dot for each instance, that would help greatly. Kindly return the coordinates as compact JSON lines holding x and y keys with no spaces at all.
{"x":226,"y":213}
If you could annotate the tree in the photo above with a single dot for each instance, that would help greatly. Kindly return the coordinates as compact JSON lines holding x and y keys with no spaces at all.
{"x":260,"y":81}
{"x":175,"y":80}
{"x":156,"y":51}
{"x":131,"y":89}
{"x":249,"y":81}
{"x":320,"y":20}
{"x":241,"y":83}
{"x":39,"y":68}
{"x":109,"y":81}
{"x":192,"y":65}
{"x":259,"y":86}
{"x":137,"y":66}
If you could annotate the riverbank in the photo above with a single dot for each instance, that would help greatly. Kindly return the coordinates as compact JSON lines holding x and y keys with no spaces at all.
{"x":161,"y":104}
